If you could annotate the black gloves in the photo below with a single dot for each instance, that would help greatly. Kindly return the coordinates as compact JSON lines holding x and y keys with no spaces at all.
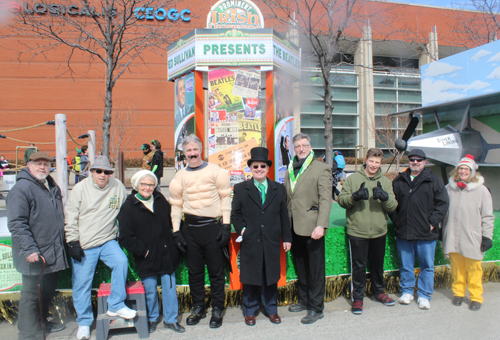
{"x":486,"y":244}
{"x":180,"y":242}
{"x":76,"y":251}
{"x":379,"y":193}
{"x":361,"y":194}
{"x":224,"y":235}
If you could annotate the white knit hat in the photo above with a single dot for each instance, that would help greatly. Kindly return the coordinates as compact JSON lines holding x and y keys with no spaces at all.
{"x":468,"y":160}
{"x":140,"y":175}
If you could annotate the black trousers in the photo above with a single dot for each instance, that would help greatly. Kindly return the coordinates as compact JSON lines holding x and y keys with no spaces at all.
{"x":309,"y":255}
{"x":29,"y":313}
{"x":252,"y":295}
{"x":363,"y":250}
{"x":203,"y":246}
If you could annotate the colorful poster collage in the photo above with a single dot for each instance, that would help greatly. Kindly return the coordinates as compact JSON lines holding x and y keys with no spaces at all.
{"x":184,"y":116}
{"x":284,"y":124}
{"x":235,"y":118}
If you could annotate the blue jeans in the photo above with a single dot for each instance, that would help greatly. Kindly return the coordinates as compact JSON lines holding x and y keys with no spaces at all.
{"x":83,"y":272}
{"x":169,"y":296}
{"x":425,"y":251}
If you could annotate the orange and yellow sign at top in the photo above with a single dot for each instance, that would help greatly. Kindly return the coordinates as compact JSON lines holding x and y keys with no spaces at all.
{"x":237,"y":14}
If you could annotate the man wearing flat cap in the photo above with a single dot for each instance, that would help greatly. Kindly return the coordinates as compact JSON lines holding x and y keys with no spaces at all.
{"x":91,"y":233}
{"x":422,"y":205}
{"x":36,"y":223}
{"x":259,"y":214}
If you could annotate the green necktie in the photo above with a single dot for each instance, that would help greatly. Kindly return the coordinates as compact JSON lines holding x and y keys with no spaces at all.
{"x":262,"y":189}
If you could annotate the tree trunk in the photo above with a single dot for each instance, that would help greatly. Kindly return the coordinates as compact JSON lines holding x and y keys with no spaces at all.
{"x":327,"y":119}
{"x":108,"y":106}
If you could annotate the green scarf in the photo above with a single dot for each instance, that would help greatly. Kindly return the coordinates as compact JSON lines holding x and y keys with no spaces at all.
{"x":307,"y":162}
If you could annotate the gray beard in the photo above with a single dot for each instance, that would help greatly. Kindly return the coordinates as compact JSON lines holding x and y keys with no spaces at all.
{"x":41,"y":177}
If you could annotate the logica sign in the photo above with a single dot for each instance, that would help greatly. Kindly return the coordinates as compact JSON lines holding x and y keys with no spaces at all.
{"x":148,"y":13}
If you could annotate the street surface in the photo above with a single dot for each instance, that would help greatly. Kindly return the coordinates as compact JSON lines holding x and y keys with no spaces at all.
{"x":442,"y":321}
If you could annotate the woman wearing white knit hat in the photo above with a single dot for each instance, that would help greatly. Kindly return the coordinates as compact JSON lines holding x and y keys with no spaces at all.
{"x":467,"y":230}
{"x":146,"y":232}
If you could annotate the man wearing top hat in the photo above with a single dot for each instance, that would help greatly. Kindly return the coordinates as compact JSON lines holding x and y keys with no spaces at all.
{"x":36,"y":223}
{"x":91,"y":233}
{"x":259,"y":214}
{"x":422,"y":205}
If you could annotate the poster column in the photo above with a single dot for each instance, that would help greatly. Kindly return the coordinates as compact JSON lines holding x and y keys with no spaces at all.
{"x":200,"y":108}
{"x":184,"y":115}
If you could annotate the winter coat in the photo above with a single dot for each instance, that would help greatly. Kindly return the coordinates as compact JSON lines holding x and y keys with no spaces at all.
{"x":340,"y":161}
{"x":421,"y":203}
{"x":310,"y":202}
{"x":158,"y":160}
{"x":267,"y":226}
{"x":366,"y":218}
{"x":469,"y":219}
{"x":36,"y":222}
{"x":142,"y":230}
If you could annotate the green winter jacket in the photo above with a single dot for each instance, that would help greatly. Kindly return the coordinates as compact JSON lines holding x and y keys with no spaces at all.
{"x":366,"y":219}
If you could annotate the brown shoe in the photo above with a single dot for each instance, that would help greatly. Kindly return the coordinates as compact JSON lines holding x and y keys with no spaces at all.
{"x":275,"y":318}
{"x":250,"y":320}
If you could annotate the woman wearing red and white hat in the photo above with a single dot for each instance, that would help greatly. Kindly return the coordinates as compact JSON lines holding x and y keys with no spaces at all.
{"x":468,"y":230}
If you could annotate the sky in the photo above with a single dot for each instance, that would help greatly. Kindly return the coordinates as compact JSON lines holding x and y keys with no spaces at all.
{"x":440,"y":3}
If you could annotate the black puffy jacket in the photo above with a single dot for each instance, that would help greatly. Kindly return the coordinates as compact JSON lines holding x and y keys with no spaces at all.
{"x":141,"y":231}
{"x":421,"y":203}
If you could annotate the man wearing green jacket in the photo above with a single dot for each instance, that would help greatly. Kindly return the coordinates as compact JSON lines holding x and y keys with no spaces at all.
{"x":367,"y":197}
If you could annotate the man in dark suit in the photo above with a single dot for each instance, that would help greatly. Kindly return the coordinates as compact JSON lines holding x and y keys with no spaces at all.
{"x":182,"y":109}
{"x":259,"y":214}
{"x":308,"y":186}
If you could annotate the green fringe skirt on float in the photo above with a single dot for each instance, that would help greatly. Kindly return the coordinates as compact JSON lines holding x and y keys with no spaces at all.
{"x":337,"y":274}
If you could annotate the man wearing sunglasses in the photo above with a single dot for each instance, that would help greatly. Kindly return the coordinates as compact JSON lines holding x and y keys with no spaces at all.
{"x":91,"y":232}
{"x":422,"y":205}
{"x":260,"y":215}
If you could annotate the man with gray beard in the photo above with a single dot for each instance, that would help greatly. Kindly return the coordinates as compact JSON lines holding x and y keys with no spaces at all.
{"x":36,"y":223}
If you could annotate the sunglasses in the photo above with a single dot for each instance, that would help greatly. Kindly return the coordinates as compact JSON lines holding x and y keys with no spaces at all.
{"x":419,"y":160}
{"x":106,"y":172}
{"x":262,"y":166}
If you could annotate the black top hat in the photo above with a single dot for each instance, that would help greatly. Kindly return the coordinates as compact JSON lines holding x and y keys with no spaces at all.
{"x":259,"y":154}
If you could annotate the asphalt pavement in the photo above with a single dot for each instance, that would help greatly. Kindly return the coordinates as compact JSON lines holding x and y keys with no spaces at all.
{"x":442,"y":321}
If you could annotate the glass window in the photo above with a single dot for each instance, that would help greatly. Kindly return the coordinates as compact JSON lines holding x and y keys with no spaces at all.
{"x":409,"y":83}
{"x":385,"y":95}
{"x":385,"y":138}
{"x":384,"y":81}
{"x":406,"y":107}
{"x":410,"y":96}
{"x":316,"y":120}
{"x":383,"y":109}
{"x":342,"y":138}
{"x":344,"y":79}
{"x":345,"y":93}
{"x":318,"y":106}
{"x":385,"y":122}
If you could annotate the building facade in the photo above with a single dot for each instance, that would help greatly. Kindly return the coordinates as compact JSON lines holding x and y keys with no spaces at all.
{"x":379,"y":74}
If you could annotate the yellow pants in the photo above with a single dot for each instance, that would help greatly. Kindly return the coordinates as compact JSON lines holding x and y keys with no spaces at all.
{"x":465,"y":272}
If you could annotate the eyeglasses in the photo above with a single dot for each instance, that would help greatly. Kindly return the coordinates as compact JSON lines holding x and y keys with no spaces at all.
{"x":262,"y":166}
{"x":40,"y":164}
{"x":150,"y":186}
{"x":465,"y":168}
{"x":419,"y":160}
{"x":305,"y":146}
{"x":106,"y":172}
